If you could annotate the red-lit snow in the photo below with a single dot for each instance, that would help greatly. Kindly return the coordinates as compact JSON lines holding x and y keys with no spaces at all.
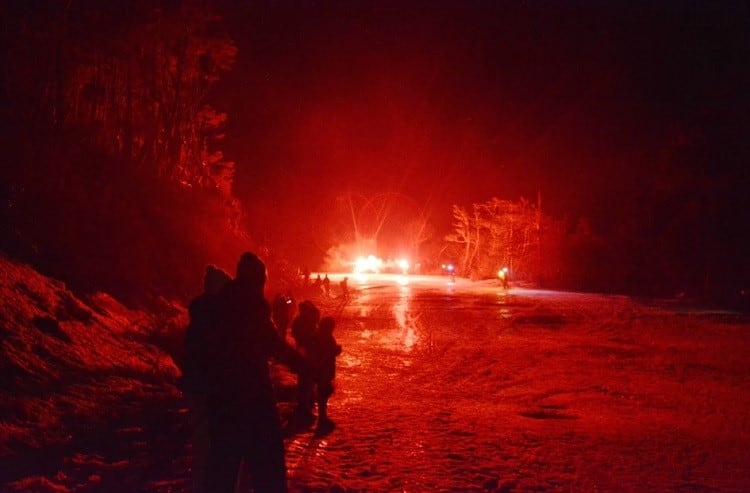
{"x":441,"y":387}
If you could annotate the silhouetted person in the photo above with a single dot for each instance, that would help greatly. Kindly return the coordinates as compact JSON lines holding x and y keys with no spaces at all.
{"x":244,"y":420}
{"x":194,"y":381}
{"x":327,"y":285}
{"x":283,"y":308}
{"x":504,"y":277}
{"x":323,"y":353}
{"x":303,"y":331}
{"x":345,"y":288}
{"x":318,"y":282}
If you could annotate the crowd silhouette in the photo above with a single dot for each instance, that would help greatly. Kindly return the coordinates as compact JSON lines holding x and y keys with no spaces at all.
{"x":233,"y":334}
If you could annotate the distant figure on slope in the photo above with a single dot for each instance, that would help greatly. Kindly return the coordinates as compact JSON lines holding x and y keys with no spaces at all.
{"x":345,"y":288}
{"x":318,"y":283}
{"x":244,"y":420}
{"x":327,"y":285}
{"x":504,"y":276}
{"x":194,"y":381}
{"x":303,"y":331}
{"x":323,"y":353}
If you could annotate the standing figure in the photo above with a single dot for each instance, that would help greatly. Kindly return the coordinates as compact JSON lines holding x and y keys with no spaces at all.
{"x":282,"y":309}
{"x":194,"y":383}
{"x":345,"y":288}
{"x":304,"y":327}
{"x":504,"y":276}
{"x":327,"y":285}
{"x":243,"y":417}
{"x":323,"y":355}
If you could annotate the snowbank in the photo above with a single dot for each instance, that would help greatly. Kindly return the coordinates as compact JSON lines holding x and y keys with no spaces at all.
{"x":63,"y":358}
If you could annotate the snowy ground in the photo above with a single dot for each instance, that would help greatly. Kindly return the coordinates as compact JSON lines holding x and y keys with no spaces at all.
{"x":466,"y":387}
{"x":461,"y":387}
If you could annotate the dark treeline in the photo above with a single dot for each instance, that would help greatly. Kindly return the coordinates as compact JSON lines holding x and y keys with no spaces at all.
{"x":681,"y":231}
{"x":114,"y":178}
{"x":683,"y":234}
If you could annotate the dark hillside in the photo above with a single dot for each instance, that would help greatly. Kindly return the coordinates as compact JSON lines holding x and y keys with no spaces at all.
{"x":79,"y":375}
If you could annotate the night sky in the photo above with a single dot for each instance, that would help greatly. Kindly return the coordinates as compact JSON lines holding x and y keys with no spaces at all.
{"x":458,"y":102}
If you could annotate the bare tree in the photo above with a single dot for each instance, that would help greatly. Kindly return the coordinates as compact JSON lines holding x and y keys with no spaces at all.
{"x":464,"y":236}
{"x":497,"y":233}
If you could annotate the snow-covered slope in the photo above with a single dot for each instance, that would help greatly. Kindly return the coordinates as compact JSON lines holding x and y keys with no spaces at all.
{"x":441,"y":386}
{"x":66,"y":365}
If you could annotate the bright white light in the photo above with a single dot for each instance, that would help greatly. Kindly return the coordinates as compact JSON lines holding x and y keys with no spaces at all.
{"x":403,"y":264}
{"x":361,"y":277}
{"x":371,"y":263}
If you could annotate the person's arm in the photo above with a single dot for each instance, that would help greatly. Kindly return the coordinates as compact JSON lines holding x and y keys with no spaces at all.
{"x":333,"y":347}
{"x":289,"y":357}
{"x":280,"y":350}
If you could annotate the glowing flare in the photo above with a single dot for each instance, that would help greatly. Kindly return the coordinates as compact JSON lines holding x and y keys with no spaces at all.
{"x":371,"y":263}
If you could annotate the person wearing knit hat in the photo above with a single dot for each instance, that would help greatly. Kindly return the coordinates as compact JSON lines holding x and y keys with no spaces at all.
{"x":202,"y":311}
{"x":194,"y":381}
{"x":214,"y":279}
{"x":251,"y":271}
